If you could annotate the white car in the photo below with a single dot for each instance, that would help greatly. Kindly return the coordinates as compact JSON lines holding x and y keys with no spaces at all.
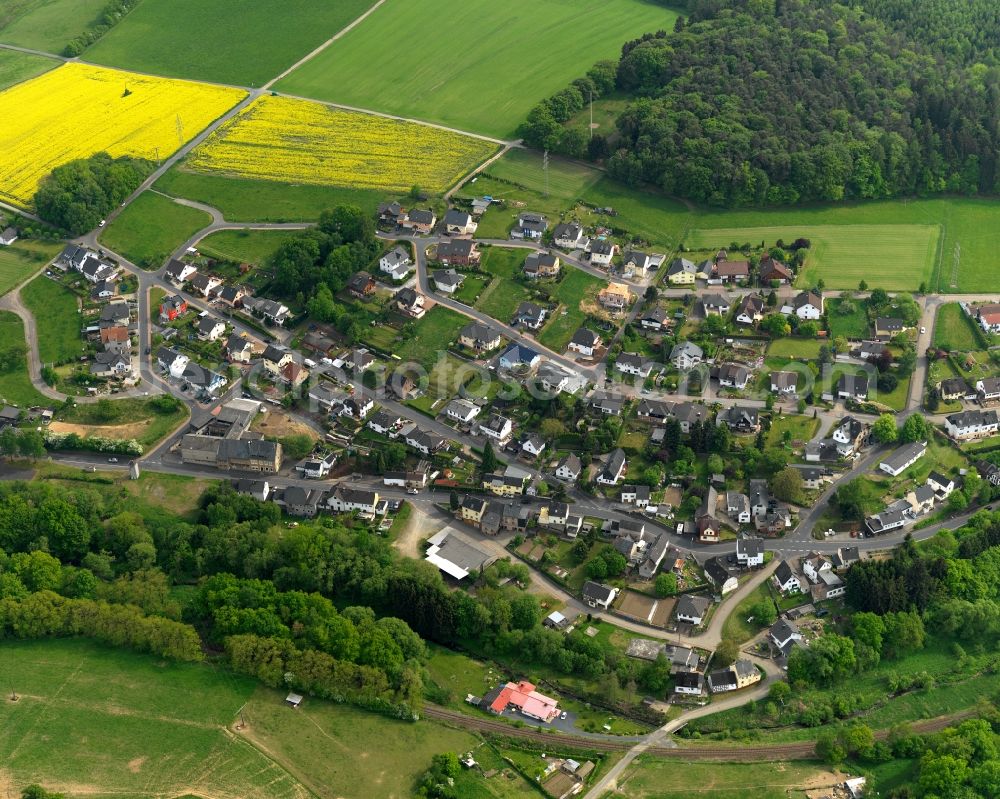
{"x":112,"y":460}
{"x":923,"y":330}
{"x":101,"y":223}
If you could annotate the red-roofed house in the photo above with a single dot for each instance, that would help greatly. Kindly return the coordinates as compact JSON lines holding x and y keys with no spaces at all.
{"x":989,"y":317}
{"x":523,"y":696}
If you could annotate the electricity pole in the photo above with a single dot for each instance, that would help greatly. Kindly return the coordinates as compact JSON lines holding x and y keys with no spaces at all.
{"x":545,"y":170}
{"x":591,"y":113}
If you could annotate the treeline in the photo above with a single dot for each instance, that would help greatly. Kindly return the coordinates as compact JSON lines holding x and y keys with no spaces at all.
{"x":78,"y":195}
{"x":764,"y":102}
{"x":110,"y":16}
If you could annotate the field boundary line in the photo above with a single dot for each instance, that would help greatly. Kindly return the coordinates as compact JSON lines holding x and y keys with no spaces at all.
{"x":310,"y":56}
{"x":247,"y":739}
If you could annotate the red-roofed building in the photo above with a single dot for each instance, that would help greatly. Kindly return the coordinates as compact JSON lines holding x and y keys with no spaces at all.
{"x":989,"y":317}
{"x":522,"y":696}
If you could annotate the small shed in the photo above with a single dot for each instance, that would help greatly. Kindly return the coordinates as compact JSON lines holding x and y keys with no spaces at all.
{"x":293,"y":700}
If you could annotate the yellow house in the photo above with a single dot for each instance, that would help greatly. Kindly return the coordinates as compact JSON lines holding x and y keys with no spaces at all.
{"x":504,"y":486}
{"x":472,"y":509}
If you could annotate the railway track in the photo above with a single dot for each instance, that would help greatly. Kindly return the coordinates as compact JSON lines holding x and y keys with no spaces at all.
{"x":802,"y":750}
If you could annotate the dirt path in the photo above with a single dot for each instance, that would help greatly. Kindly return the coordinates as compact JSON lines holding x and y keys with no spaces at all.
{"x":118,"y":431}
{"x":418,"y":527}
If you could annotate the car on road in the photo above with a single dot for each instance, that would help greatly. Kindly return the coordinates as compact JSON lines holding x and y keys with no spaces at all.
{"x":112,"y":460}
{"x":412,"y":491}
{"x":102,"y":222}
{"x":562,"y":716}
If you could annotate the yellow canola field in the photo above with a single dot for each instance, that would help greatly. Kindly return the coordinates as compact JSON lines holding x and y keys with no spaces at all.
{"x":296,"y":141}
{"x":78,"y":110}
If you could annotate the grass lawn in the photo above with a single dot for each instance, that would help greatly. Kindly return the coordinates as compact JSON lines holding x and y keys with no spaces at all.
{"x":161,"y":725}
{"x":244,"y":200}
{"x":244,"y":246}
{"x":151,"y":228}
{"x":56,"y":309}
{"x":843,"y":256}
{"x":736,"y":626}
{"x":255,"y":44}
{"x":459,"y":675}
{"x":849,"y":325}
{"x":22,"y":259}
{"x":794,"y":348}
{"x":651,"y":778}
{"x":147,"y":424}
{"x":572,"y":289}
{"x":803,"y":428}
{"x":15,"y":385}
{"x":431,"y":335}
{"x":503,"y":296}
{"x":176,"y":493}
{"x":473,"y":50}
{"x":566,"y":179}
{"x":953,"y":329}
{"x":16,"y":67}
{"x":606,"y":111}
{"x":655,"y":218}
{"x":471,"y":288}
{"x":47,"y":24}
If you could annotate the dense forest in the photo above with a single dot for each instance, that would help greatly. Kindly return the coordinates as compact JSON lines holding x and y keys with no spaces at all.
{"x":754,"y":102}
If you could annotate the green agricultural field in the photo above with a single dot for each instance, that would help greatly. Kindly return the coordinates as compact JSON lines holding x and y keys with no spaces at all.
{"x":257,"y":42}
{"x":503,"y":296}
{"x":891,"y":256}
{"x":22,"y":259}
{"x":849,"y":325}
{"x":659,"y":220}
{"x":16,"y":67}
{"x":262,"y":200}
{"x":15,"y":385}
{"x":162,"y":726}
{"x":57,"y":312}
{"x":953,"y":330}
{"x":430,"y":335}
{"x":650,"y":778}
{"x":46,"y":24}
{"x":566,"y":179}
{"x":571,"y":291}
{"x":136,"y":418}
{"x":466,"y":65}
{"x":151,"y":228}
{"x":244,"y":246}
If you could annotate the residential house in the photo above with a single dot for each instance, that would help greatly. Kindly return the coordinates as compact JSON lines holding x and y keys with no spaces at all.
{"x":273,"y":311}
{"x":854,"y":387}
{"x":497,"y":427}
{"x":786,"y":580}
{"x":705,"y":520}
{"x":742,"y":674}
{"x":750,"y":552}
{"x":739,"y":419}
{"x":691,"y":609}
{"x":738,"y":507}
{"x":815,"y":477}
{"x":329,"y":397}
{"x":773,"y":272}
{"x":210,"y":329}
{"x":903,"y":458}
{"x":597,"y":595}
{"x":637,"y":495}
{"x":111,"y":364}
{"x":783,"y":632}
{"x":615,"y":297}
{"x":205,"y":285}
{"x":814,"y":564}
{"x":887,"y":326}
{"x":729,"y":272}
{"x":410,"y":303}
{"x":471,"y":509}
{"x":316,"y":468}
{"x":358,"y":405}
{"x":178,"y":272}
{"x":653,"y":319}
{"x":529,"y":315}
{"x":955,"y":388}
{"x":614,"y":468}
{"x":541,"y":264}
{"x":988,"y":389}
{"x":8,"y":236}
{"x":390,"y":214}
{"x":689,"y":683}
{"x":361,"y":285}
{"x":96,"y":271}
{"x":360,"y":360}
{"x":275,"y":359}
{"x":686,"y":355}
{"x":988,"y":316}
{"x":721,"y":576}
{"x":750,"y":310}
{"x":688,"y":413}
{"x":423,"y":441}
{"x":570,"y":236}
{"x":419,"y":220}
{"x":205,"y":380}
{"x":345,"y":499}
{"x":172,"y":307}
{"x":461,"y":410}
{"x":653,"y":409}
{"x":459,"y":223}
{"x":115,"y":313}
{"x":784,"y":383}
{"x":554,"y":514}
{"x":585,"y":341}
{"x":850,"y":436}
{"x":302,"y":501}
{"x":479,"y":337}
{"x":871,"y":351}
{"x":830,"y":586}
{"x":72,"y":257}
{"x":529,"y":226}
{"x":519,"y":357}
{"x":922,"y":499}
{"x":116,"y":339}
{"x":969,"y":425}
{"x":634,"y":261}
{"x":396,"y":263}
{"x":569,"y":468}
{"x":504,"y":485}
{"x":733,"y":375}
{"x":532,"y":447}
{"x":941,"y":484}
{"x":681,"y":272}
{"x":171,"y":361}
{"x":448,"y":281}
{"x":715,"y":304}
{"x":887,"y":520}
{"x":258,"y":489}
{"x":634,"y":364}
{"x":384,"y":422}
{"x":806,"y":305}
{"x":458,"y":252}
{"x":602,"y":251}
{"x":104,"y":290}
{"x":523,"y":698}
{"x":232,"y":296}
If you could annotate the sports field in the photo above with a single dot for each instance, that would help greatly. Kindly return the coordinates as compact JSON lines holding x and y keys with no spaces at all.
{"x":56,"y":310}
{"x":284,"y":140}
{"x":478,"y":65}
{"x":46,"y":24}
{"x":120,"y":113}
{"x":245,"y":44}
{"x":16,"y":67}
{"x":889,"y":256}
{"x":151,"y":228}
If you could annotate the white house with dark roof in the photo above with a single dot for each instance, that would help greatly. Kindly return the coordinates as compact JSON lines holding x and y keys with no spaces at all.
{"x":634,"y":364}
{"x":806,"y":305}
{"x":903,"y":458}
{"x":529,"y":226}
{"x":686,"y":355}
{"x":585,"y":342}
{"x":396,"y":263}
{"x":786,"y":580}
{"x":570,"y":236}
{"x":614,"y":468}
{"x":968,"y":425}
